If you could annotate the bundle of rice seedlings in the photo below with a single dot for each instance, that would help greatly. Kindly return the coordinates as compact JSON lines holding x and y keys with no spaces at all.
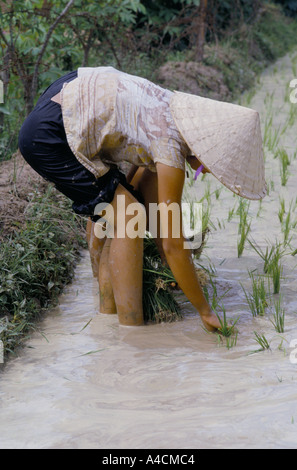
{"x":159,"y":302}
{"x":159,"y":286}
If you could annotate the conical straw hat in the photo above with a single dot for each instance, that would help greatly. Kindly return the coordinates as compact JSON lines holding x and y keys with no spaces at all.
{"x":226,"y":138}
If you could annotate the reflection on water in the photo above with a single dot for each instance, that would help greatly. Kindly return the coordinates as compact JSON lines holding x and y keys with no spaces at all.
{"x":85,"y":382}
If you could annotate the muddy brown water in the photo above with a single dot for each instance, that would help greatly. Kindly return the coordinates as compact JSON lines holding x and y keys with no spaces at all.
{"x":82,"y":381}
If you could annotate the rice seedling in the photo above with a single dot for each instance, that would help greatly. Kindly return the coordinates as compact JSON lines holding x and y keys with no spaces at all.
{"x":260,"y":208}
{"x":268,"y":101}
{"x":270,"y":256}
{"x":215,"y":301}
{"x":218,"y":192}
{"x":203,"y":176}
{"x":241,"y":242}
{"x":272,"y":264}
{"x":242,"y":211}
{"x":244,"y":226}
{"x":231,"y":341}
{"x":282,"y":210}
{"x":270,"y":187}
{"x":227,"y":330}
{"x":231,"y":213}
{"x":286,"y":227}
{"x":262,"y":341}
{"x":257,"y":299}
{"x":292,"y":114}
{"x":159,"y":302}
{"x":247,"y":97}
{"x":267,"y":126}
{"x":276,"y":272}
{"x":278,"y":320}
{"x":287,"y":224}
{"x":192,"y":214}
{"x":206,"y":222}
{"x":282,"y":154}
{"x":281,"y":347}
{"x":284,"y":163}
{"x":221,"y":224}
{"x":207,"y":194}
{"x":271,"y":136}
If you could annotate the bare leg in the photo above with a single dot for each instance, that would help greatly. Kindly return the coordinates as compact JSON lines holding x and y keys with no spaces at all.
{"x":146,"y":182}
{"x":95,"y":246}
{"x":126,"y":265}
{"x":107,"y":302}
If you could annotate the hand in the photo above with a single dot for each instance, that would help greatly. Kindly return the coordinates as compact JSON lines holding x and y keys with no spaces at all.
{"x":210,"y":321}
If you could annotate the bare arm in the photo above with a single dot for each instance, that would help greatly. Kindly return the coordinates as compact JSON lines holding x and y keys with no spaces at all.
{"x":170,"y":188}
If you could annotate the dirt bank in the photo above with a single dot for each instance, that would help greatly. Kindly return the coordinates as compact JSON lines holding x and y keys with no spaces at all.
{"x":17,"y":184}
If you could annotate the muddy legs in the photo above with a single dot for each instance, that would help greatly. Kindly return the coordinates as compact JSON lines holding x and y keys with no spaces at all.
{"x":95,"y":246}
{"x":118,"y":263}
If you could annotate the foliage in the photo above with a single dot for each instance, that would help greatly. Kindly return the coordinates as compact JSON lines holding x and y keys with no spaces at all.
{"x":159,"y":302}
{"x":36,"y":263}
{"x":290,"y":6}
{"x":34,"y":53}
{"x":172,"y":21}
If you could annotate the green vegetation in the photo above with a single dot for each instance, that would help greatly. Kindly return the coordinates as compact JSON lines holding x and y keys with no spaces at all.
{"x":257,"y":300}
{"x":278,"y":320}
{"x":36,"y":263}
{"x":226,"y":329}
{"x":262,"y":341}
{"x":159,"y":301}
{"x":284,"y":163}
{"x":244,"y":225}
{"x":227,"y":333}
{"x":271,"y":256}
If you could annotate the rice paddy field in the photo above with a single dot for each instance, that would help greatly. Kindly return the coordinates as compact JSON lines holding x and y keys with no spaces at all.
{"x":84,"y":382}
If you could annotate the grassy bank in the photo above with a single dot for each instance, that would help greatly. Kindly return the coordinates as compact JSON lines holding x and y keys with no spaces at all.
{"x":37,"y":261}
